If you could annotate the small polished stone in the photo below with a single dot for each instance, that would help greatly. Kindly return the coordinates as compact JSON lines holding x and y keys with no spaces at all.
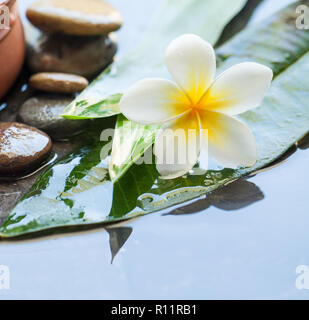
{"x":58,"y":82}
{"x":22,"y":148}
{"x":84,"y":56}
{"x":77,"y":17}
{"x":44,"y":112}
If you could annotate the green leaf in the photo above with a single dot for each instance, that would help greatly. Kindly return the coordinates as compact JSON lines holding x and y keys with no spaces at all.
{"x":86,"y":110}
{"x":101,"y":98}
{"x":131,"y":141}
{"x":275,"y":43}
{"x":77,"y":190}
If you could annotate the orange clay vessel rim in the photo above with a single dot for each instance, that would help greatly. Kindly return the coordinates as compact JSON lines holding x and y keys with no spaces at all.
{"x":8,"y":3}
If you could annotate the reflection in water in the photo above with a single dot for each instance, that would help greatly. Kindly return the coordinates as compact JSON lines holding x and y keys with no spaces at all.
{"x":117,"y":238}
{"x":31,"y":172}
{"x":284,"y":157}
{"x":301,"y":144}
{"x":234,"y":196}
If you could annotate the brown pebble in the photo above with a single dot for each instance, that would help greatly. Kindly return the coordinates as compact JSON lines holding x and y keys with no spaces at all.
{"x":77,"y":17}
{"x":58,"y":82}
{"x":81,"y":55}
{"x":22,"y":148}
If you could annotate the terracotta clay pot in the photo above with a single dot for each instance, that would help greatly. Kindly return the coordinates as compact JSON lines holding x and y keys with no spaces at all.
{"x":12,"y":45}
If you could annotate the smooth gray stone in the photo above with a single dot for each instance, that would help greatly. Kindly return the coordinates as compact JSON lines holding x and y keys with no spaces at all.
{"x":43,"y":112}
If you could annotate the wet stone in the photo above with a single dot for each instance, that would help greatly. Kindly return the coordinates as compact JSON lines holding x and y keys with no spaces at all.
{"x":22,"y":148}
{"x":77,"y":17}
{"x":84,"y":56}
{"x":58,"y":82}
{"x":44,"y":112}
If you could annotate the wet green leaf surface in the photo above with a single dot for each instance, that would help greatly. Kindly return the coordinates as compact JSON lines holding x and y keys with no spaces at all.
{"x":78,"y":190}
{"x":275,"y":43}
{"x":101,"y":98}
{"x":85,"y":109}
{"x":131,"y":142}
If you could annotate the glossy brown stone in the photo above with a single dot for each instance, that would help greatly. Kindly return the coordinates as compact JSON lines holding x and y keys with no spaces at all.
{"x":22,"y":148}
{"x":58,"y":82}
{"x":77,"y":17}
{"x":84,"y":56}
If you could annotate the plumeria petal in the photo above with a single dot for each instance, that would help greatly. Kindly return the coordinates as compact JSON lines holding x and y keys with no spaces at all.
{"x":238,"y":89}
{"x":192,"y":63}
{"x":153,"y":101}
{"x":177,"y":146}
{"x":230,"y":141}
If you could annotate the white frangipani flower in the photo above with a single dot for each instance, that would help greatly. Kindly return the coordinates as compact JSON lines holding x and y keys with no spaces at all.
{"x":198,"y":101}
